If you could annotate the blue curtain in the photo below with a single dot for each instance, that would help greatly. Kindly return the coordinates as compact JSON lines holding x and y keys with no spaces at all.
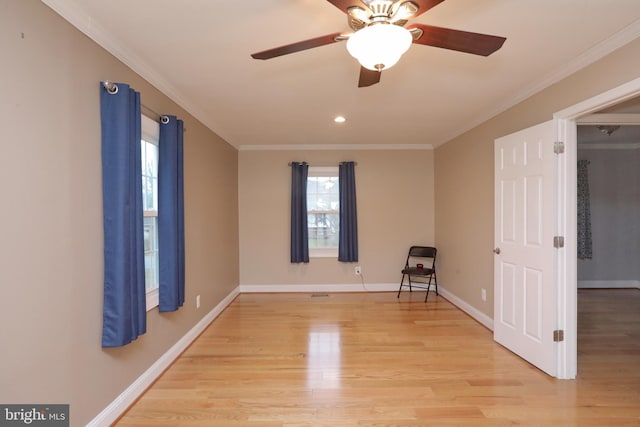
{"x":348,"y":238}
{"x":124,"y":309}
{"x":171,"y":214}
{"x":299,"y":231}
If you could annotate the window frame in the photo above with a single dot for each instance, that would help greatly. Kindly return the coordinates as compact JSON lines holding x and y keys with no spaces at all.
{"x":323,"y":171}
{"x":151,"y":134}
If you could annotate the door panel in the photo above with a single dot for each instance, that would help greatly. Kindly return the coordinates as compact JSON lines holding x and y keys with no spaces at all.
{"x":525,"y":296}
{"x":508,"y":294}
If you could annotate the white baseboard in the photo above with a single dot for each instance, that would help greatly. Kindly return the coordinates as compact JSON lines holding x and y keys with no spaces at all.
{"x":464,"y":306}
{"x":119,"y":405}
{"x":351,"y":287}
{"x":116,"y":408}
{"x":373,"y":287}
{"x":608,"y":284}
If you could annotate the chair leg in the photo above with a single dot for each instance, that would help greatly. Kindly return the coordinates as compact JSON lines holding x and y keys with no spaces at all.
{"x":435,"y":281}
{"x":400,"y":289}
{"x":428,"y":288}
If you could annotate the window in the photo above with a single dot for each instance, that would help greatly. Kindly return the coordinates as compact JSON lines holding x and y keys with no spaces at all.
{"x":150,"y":137}
{"x":323,"y":211}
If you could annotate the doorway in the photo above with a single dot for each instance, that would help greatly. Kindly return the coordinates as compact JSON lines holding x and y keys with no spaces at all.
{"x":567,"y":289}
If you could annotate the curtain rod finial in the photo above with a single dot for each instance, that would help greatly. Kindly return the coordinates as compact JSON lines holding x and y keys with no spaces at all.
{"x":110,"y":86}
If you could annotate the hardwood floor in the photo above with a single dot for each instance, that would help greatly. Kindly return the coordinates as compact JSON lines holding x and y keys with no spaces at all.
{"x":374,"y":360}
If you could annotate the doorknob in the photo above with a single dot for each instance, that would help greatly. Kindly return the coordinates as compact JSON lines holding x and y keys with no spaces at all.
{"x":497,"y":251}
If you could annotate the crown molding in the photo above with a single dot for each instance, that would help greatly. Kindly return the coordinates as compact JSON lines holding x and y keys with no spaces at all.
{"x":69,"y":10}
{"x":337,"y":147}
{"x":597,"y":52}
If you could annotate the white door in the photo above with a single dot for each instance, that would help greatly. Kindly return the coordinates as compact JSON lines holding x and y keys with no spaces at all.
{"x":524,"y":266}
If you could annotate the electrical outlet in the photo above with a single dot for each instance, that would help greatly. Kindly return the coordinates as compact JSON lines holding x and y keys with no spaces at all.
{"x":484,"y":294}
{"x":197,"y":301}
{"x":358,"y":270}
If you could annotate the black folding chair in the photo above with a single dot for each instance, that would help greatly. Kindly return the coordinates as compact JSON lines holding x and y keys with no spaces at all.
{"x":420,"y":268}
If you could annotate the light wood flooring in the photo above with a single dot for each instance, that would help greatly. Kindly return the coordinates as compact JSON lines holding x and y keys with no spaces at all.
{"x":369,"y":359}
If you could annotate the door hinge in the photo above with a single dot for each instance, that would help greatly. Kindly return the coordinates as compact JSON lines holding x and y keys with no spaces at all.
{"x":558,"y":147}
{"x":558,"y":335}
{"x":558,"y":241}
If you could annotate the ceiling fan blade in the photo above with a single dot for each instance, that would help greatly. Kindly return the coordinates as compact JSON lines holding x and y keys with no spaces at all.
{"x":425,"y":5}
{"x":296,"y":47}
{"x":462,"y":41}
{"x":368,"y":77}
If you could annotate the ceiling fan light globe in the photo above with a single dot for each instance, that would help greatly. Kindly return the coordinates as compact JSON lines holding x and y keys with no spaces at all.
{"x":379,"y":46}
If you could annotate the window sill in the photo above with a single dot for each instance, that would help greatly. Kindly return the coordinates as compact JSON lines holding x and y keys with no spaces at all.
{"x":152,"y":299}
{"x":323,"y":253}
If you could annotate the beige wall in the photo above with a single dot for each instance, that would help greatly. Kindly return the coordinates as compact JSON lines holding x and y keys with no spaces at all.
{"x":51,"y":264}
{"x":395,"y":210}
{"x":464,"y":175}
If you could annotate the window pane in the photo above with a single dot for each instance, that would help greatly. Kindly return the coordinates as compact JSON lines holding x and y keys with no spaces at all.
{"x":152,"y":159}
{"x":149,"y":160}
{"x":154,"y":194}
{"x":323,"y":230}
{"x":149,"y":176}
{"x":334,"y":202}
{"x":324,"y":185}
{"x":151,"y":252}
{"x":323,"y":207}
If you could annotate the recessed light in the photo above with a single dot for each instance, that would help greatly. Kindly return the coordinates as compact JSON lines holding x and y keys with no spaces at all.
{"x":340,"y":119}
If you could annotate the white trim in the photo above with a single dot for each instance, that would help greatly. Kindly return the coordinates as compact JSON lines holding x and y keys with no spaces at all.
{"x":567,"y":280}
{"x":153,"y":298}
{"x":608,"y":284}
{"x":373,"y":287}
{"x":466,"y":307}
{"x":566,"y":313}
{"x":73,"y":14}
{"x":338,"y":147}
{"x":128,"y":397}
{"x":69,"y":10}
{"x":317,"y":288}
{"x":597,"y":52}
{"x":323,"y":253}
{"x":614,"y":146}
{"x":324,"y":171}
{"x":121,"y":403}
{"x":609,"y":98}
{"x":150,"y":129}
{"x":623,"y":119}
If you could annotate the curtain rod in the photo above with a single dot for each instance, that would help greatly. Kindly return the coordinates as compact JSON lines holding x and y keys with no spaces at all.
{"x":112,"y":88}
{"x":292,"y":163}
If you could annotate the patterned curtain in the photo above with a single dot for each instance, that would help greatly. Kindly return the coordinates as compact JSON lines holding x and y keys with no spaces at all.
{"x":584,"y":212}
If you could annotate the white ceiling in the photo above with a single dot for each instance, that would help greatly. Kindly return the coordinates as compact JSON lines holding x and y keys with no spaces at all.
{"x":198,"y":53}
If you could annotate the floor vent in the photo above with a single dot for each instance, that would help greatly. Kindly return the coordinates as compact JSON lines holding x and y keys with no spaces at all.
{"x":319,"y":295}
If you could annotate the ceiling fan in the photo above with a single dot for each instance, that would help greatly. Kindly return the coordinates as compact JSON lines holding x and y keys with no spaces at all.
{"x":379,"y":36}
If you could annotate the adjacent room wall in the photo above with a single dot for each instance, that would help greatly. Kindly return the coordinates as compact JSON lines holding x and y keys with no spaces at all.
{"x":51,"y":266}
{"x":395,"y":210}
{"x":464,"y":175}
{"x":614,"y":186}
